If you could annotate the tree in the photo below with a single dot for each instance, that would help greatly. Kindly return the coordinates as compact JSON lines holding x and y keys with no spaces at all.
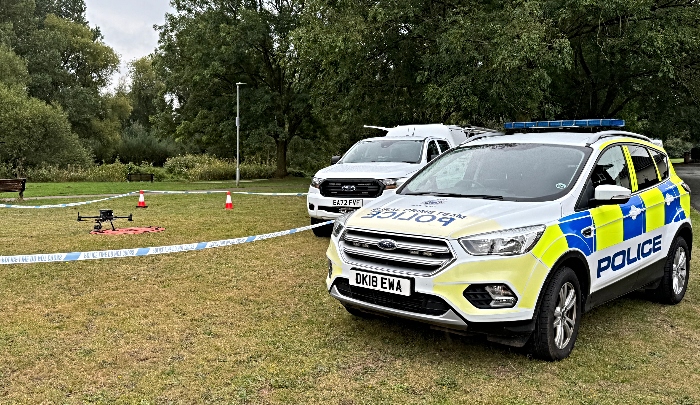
{"x":207,"y":47}
{"x":638,"y":60}
{"x":35,"y":133}
{"x":146,"y":87}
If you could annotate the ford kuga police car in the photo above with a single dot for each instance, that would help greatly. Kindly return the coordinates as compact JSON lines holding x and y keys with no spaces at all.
{"x":517,"y":235}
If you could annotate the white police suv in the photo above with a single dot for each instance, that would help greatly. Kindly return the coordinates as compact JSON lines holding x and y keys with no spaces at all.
{"x":517,"y":235}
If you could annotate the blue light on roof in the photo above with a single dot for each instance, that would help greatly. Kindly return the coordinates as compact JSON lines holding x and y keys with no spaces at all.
{"x":612,"y":122}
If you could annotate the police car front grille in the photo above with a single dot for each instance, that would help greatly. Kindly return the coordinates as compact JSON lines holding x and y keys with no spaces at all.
{"x":413,"y":255}
{"x":362,"y":188}
{"x":418,"y":303}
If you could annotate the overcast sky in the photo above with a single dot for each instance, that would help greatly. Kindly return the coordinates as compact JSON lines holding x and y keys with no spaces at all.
{"x":127,"y":26}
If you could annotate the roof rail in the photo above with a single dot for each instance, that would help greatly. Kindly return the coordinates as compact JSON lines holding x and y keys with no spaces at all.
{"x":608,"y":134}
{"x":474,"y":131}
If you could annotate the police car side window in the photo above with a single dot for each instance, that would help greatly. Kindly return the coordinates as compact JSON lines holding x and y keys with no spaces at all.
{"x":643,"y":166}
{"x":661,"y":163}
{"x":611,"y":169}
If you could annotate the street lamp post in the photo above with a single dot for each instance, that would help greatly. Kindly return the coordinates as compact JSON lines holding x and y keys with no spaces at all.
{"x":238,"y":134}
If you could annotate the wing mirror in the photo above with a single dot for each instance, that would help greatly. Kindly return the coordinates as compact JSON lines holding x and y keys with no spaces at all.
{"x":335,"y":159}
{"x":608,"y":194}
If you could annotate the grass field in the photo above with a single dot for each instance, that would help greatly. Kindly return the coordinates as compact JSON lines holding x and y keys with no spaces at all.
{"x":254,"y":324}
{"x":295,"y":184}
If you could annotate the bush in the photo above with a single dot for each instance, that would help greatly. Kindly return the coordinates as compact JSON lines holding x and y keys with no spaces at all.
{"x":208,"y":168}
{"x":138,"y":145}
{"x":675,"y":147}
{"x":97,"y":173}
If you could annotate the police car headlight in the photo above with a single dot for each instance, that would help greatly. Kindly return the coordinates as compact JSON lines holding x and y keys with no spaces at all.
{"x":316,"y":182}
{"x":511,"y":242}
{"x":389,"y":184}
{"x":339,"y":224}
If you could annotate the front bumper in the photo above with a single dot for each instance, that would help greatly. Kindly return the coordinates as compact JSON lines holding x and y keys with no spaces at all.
{"x":523,"y":274}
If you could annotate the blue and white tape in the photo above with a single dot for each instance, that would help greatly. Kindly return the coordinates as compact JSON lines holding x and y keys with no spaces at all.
{"x":146,"y":251}
{"x":75,"y":204}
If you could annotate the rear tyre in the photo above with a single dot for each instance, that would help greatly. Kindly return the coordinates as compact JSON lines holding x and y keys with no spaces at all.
{"x":559,"y":316}
{"x":321,"y":231}
{"x":676,"y":271}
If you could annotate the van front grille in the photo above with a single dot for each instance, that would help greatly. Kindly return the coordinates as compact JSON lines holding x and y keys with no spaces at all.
{"x":351,"y":188}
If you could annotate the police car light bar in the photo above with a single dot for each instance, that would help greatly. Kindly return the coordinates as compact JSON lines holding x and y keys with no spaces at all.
{"x":566,"y":124}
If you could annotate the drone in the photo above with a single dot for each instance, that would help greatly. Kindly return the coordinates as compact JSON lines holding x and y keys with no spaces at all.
{"x":105,"y":215}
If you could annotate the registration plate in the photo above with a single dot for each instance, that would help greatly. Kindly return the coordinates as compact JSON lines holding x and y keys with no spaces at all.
{"x":381,"y":282}
{"x":357,"y":202}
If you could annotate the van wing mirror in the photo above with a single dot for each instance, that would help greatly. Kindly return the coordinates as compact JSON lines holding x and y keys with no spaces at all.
{"x":335,"y":159}
{"x":608,"y":194}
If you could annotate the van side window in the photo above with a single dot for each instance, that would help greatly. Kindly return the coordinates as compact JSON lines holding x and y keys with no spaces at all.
{"x":444,"y":146}
{"x":433,"y":151}
{"x":661,"y":163}
{"x":643,"y":167}
{"x":611,"y":169}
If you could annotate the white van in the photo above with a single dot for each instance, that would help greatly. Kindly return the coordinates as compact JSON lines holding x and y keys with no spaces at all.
{"x":372,"y":166}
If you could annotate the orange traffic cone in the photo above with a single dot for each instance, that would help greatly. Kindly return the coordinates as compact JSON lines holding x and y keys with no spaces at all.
{"x":142,"y":202}
{"x":229,"y":203}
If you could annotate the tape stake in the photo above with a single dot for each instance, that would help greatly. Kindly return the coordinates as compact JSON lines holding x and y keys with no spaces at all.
{"x":146,"y":251}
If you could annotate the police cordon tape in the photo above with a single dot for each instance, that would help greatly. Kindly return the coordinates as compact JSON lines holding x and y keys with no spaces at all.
{"x":146,"y":251}
{"x":75,"y":204}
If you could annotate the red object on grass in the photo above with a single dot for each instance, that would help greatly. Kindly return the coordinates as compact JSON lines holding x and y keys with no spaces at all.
{"x":129,"y":231}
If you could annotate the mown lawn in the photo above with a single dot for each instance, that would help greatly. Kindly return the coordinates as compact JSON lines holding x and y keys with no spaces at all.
{"x":296,"y":184}
{"x":254,"y":324}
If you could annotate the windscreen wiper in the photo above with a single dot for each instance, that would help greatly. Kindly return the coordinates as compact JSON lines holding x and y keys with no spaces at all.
{"x":484,"y":196}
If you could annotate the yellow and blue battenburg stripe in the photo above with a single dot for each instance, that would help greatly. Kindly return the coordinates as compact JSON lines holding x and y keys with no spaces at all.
{"x":644,"y":212}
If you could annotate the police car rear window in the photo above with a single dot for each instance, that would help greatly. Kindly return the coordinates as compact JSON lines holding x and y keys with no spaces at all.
{"x":530,"y":172}
{"x":644,"y":167}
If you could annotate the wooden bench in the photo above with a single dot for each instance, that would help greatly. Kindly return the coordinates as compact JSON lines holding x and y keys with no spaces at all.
{"x":14,"y":186}
{"x":139,"y":177}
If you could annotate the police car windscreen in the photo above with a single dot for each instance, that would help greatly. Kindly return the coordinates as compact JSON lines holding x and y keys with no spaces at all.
{"x":385,"y":150}
{"x":507,"y":171}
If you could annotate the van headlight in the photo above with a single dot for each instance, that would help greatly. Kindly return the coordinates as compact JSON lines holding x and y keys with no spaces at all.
{"x":339,"y":224}
{"x":389,"y":184}
{"x":316,"y":182}
{"x":507,"y":243}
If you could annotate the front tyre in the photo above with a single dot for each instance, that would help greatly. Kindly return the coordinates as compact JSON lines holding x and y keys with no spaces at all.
{"x":559,"y":316}
{"x":676,"y":270}
{"x":321,"y":231}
